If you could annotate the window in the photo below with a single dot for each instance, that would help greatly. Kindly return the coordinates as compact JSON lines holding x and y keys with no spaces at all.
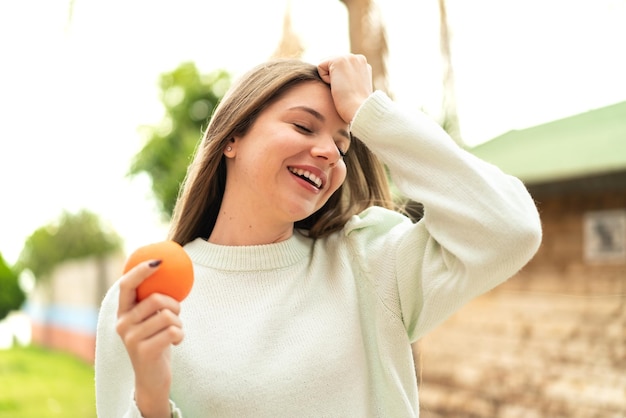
{"x":604,"y":236}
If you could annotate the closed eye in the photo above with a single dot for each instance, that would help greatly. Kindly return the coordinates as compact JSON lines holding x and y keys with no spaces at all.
{"x":302,"y":128}
{"x":308,"y":131}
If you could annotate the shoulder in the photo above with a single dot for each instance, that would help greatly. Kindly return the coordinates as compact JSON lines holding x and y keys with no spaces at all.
{"x":375,"y":231}
{"x":375,"y":220}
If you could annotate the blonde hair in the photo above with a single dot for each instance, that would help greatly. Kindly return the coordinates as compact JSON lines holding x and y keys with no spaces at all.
{"x":201,"y":193}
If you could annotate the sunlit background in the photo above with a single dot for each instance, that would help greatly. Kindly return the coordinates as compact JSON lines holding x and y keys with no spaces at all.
{"x":79,"y":77}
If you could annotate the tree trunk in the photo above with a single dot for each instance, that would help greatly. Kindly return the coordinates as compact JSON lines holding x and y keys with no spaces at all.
{"x":290,"y":45}
{"x":450,"y":119}
{"x":368,"y":37}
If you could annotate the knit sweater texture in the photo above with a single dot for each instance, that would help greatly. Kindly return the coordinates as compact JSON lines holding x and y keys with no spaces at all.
{"x":323,"y":327}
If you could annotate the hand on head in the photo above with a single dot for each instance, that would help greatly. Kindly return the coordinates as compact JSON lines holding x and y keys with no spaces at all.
{"x":350,"y":80}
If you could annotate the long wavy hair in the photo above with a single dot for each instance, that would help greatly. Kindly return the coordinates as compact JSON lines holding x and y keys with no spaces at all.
{"x":200,"y":196}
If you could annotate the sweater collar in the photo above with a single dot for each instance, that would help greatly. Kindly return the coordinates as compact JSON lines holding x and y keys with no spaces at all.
{"x":249,"y":258}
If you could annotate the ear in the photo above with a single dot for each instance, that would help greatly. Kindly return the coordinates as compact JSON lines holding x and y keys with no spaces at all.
{"x":230,"y":150}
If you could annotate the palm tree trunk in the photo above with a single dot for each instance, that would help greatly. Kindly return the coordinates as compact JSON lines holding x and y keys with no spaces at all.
{"x":368,"y":37}
{"x":450,"y":119}
{"x":290,"y":45}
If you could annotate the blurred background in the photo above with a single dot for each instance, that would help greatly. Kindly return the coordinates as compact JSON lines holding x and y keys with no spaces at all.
{"x":101,"y":104}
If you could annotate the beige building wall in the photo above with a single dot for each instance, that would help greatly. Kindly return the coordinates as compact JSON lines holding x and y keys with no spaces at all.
{"x":551,"y":342}
{"x":64,"y":309}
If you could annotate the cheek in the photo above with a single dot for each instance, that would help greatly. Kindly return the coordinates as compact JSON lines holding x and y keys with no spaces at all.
{"x":339,"y":176}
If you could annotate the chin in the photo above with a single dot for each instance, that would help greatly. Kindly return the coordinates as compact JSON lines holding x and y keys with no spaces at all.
{"x":301,"y":214}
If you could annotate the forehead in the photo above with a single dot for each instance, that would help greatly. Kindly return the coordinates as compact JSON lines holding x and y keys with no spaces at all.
{"x":313,"y":95}
{"x":310,"y":86}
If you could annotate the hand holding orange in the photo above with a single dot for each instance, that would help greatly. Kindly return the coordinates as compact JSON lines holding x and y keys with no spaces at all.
{"x":174,"y":277}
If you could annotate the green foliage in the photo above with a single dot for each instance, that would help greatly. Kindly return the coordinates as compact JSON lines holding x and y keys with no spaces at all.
{"x":11,"y":295}
{"x":41,"y":383}
{"x":189,"y":100}
{"x":73,"y":236}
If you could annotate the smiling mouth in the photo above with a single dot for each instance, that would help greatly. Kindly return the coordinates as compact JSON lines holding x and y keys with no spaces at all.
{"x":307,"y":176}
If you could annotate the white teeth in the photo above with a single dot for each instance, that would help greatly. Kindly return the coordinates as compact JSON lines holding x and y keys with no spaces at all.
{"x":305,"y":173}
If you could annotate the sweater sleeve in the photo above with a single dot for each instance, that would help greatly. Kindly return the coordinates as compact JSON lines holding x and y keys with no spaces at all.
{"x":480,"y":225}
{"x":115,"y":379}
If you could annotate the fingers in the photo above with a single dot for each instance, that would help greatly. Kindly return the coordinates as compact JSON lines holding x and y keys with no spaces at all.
{"x":154,"y":334}
{"x":151,"y":326}
{"x":130,"y":281}
{"x":324,"y":71}
{"x":154,"y":306}
{"x":148,"y":307}
{"x":350,"y":79}
{"x":346,"y":65}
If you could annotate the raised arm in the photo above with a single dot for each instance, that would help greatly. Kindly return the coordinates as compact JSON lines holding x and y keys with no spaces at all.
{"x":480,"y":225}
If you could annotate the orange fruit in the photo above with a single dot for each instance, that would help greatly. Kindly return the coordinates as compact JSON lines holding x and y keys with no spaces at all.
{"x":174,"y":277}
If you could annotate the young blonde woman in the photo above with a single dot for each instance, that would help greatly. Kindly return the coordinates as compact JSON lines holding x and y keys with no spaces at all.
{"x":309,"y":287}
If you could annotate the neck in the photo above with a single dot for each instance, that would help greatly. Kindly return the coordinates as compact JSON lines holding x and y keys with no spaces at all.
{"x":239,"y":230}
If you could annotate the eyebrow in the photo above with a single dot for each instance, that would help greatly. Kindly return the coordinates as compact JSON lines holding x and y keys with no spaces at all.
{"x":317,"y":115}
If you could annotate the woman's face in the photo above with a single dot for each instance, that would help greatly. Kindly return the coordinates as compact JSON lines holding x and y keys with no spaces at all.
{"x":290,"y":161}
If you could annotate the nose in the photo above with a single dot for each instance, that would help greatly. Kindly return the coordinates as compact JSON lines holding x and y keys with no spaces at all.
{"x":326,"y":148}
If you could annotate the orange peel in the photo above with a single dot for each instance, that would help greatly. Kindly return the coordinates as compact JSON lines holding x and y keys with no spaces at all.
{"x":174,"y":276}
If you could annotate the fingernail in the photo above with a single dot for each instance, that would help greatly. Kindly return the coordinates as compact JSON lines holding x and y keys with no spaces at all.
{"x":155,"y":263}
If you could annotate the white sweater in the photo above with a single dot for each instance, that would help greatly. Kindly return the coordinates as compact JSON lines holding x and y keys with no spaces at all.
{"x":322,"y":328}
